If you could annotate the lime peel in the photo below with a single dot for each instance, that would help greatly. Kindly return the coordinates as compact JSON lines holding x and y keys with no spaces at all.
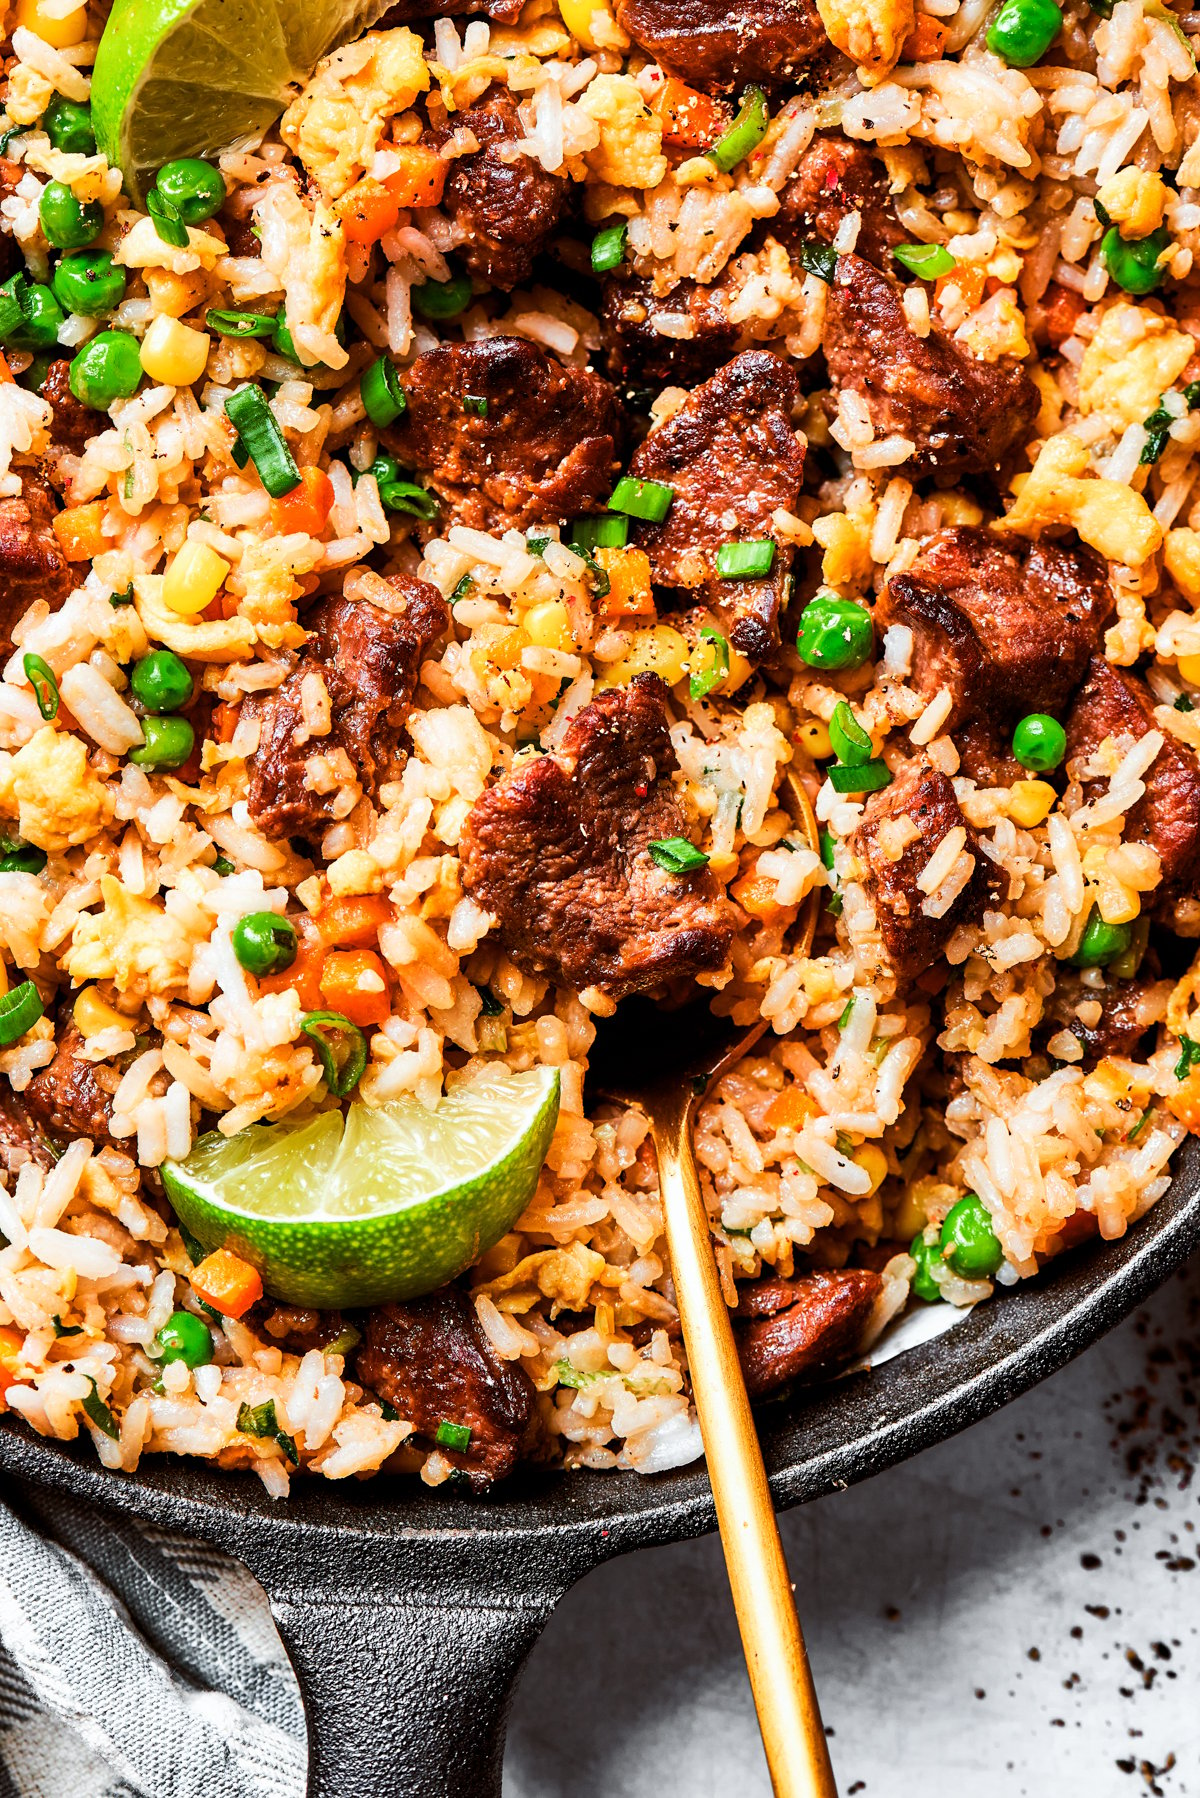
{"x":373,"y":1203}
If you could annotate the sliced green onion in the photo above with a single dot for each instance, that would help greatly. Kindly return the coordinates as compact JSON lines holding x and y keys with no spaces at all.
{"x":406,"y":496}
{"x":461,"y":591}
{"x":476,"y":404}
{"x":601,"y":584}
{"x":168,"y":220}
{"x":1184,"y":704}
{"x":12,"y":315}
{"x":928,"y":260}
{"x":701,"y":684}
{"x":591,"y":534}
{"x":491,"y":1007}
{"x":745,"y":134}
{"x":650,"y":500}
{"x":1157,"y":426}
{"x":262,"y":439}
{"x":453,"y":1435}
{"x":819,"y":259}
{"x":239,"y":324}
{"x":1191,"y":395}
{"x":382,"y":395}
{"x":608,"y":248}
{"x":341,"y":1049}
{"x":342,"y":1344}
{"x":22,"y":858}
{"x":222,"y":865}
{"x":61,"y":1329}
{"x":847,"y":1014}
{"x":677,"y":855}
{"x":40,"y":676}
{"x":741,"y":561}
{"x":124,"y":598}
{"x":20,"y":1010}
{"x":1189,"y":1056}
{"x":95,"y":1408}
{"x":867,"y":777}
{"x":260,"y":1420}
{"x":536,"y":545}
{"x":851,"y":743}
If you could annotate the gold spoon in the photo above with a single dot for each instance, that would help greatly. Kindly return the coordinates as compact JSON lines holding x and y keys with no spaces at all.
{"x":666,"y":1074}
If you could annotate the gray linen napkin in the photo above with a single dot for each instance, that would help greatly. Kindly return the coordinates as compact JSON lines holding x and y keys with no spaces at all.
{"x":136,"y":1664}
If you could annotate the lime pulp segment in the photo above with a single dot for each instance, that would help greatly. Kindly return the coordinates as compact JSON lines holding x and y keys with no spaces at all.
{"x":379,"y":1202}
{"x":195,"y":77}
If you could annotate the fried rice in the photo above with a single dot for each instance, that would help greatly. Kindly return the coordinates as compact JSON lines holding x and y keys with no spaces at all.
{"x":876,"y":1099}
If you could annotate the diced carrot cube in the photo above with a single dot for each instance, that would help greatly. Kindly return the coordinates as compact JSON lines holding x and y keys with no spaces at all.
{"x":354,"y":982}
{"x":227,"y":1283}
{"x":367,"y":211}
{"x":690,"y":120}
{"x":307,"y":507}
{"x":12,"y":1341}
{"x":755,"y":893}
{"x":79,"y":532}
{"x":421,"y":178}
{"x":629,"y":589}
{"x":791,"y":1110}
{"x":1184,"y":1102}
{"x":353,"y":923}
{"x":1063,"y":308}
{"x":925,"y":42}
{"x":304,"y":975}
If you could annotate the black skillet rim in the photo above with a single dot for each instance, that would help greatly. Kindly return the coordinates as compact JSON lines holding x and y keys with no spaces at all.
{"x":818,"y":1441}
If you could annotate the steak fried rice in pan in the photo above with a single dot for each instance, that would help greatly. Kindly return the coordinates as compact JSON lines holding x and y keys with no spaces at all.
{"x":428,"y":532}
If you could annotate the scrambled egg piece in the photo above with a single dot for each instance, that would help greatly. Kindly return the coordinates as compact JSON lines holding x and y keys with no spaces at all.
{"x":565,"y":1276}
{"x":336,"y":123}
{"x":995,"y":329}
{"x":1134,"y":357}
{"x":1181,"y":559}
{"x":142,"y":247}
{"x":1114,"y":519}
{"x":205,"y":640}
{"x":629,"y":153}
{"x":869,"y":32}
{"x":307,"y":254}
{"x":1135,"y":200}
{"x":846,"y":539}
{"x":132,"y":942}
{"x":56,"y":795}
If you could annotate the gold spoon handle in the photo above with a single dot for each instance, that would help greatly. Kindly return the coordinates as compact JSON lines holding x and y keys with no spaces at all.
{"x":780,"y":1677}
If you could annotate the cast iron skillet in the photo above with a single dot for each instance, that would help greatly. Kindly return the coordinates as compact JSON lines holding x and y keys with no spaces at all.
{"x":408,"y":1615}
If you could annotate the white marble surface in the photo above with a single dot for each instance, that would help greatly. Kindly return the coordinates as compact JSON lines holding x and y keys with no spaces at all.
{"x":1014,"y":1612}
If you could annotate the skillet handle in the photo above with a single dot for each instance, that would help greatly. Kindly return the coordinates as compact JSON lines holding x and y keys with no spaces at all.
{"x":408,"y":1668}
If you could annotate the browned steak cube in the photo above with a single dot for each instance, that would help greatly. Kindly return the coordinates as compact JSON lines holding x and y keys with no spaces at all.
{"x":732,"y":458}
{"x":542,"y":451}
{"x":719,"y":46}
{"x":507,"y":205}
{"x":20,"y":1138}
{"x":1114,"y":703}
{"x":1007,"y":629}
{"x":788,"y":1329}
{"x":963,"y":416}
{"x":429,"y":1359}
{"x":679,"y":336}
{"x":66,"y":1098}
{"x":834,"y":178}
{"x":913,"y":937}
{"x":32,"y":566}
{"x":558,"y":852}
{"x":1128,"y":1009}
{"x":370,"y":661}
{"x":74,"y":423}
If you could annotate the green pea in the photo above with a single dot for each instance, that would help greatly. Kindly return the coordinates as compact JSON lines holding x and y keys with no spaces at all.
{"x":1134,"y":266}
{"x":969,"y":1243}
{"x":1023,"y":30}
{"x":167,"y":744}
{"x":264,"y":943}
{"x":89,"y":282}
{"x":926,"y":1255}
{"x":196,"y":187}
{"x":1039,"y":742}
{"x":187,"y":1338}
{"x":161,"y":682}
{"x":442,"y":299}
{"x":106,"y":369}
{"x":1101,"y":942}
{"x":68,"y":125}
{"x":43,"y":318}
{"x":835,"y":633}
{"x":68,"y":225}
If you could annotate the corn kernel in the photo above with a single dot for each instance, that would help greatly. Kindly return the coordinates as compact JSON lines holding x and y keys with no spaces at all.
{"x":61,"y":30}
{"x":194,"y":579}
{"x":911,"y":1214}
{"x":814,"y":737}
{"x":578,"y":17}
{"x":661,"y":650}
{"x":1116,"y":903}
{"x":1030,"y":802}
{"x":1189,"y":667}
{"x":548,"y":625}
{"x":173,"y":353}
{"x":93,"y":1015}
{"x":873,"y":1162}
{"x":956,"y":508}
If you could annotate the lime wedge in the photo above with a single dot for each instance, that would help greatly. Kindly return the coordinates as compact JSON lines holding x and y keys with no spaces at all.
{"x":379,"y":1202}
{"x":192,"y":77}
